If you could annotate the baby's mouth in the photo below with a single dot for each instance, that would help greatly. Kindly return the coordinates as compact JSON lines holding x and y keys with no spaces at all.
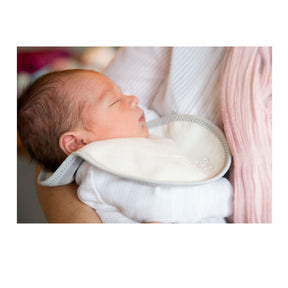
{"x":142,"y":118}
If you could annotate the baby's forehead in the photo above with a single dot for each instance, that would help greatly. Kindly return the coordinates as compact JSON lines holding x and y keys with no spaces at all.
{"x":84,"y":77}
{"x":81,"y":84}
{"x":86,"y":84}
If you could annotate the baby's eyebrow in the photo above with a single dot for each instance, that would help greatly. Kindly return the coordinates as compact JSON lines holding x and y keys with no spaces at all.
{"x":106,"y":95}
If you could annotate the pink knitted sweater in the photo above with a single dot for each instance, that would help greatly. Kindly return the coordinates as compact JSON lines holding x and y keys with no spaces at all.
{"x":247,"y":117}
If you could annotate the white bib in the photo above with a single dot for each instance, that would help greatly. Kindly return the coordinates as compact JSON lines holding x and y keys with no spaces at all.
{"x":180,"y":150}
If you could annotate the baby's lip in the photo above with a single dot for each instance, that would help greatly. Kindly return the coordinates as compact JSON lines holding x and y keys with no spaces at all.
{"x":142,"y":117}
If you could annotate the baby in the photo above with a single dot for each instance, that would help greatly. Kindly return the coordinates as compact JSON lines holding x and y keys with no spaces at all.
{"x":63,"y":111}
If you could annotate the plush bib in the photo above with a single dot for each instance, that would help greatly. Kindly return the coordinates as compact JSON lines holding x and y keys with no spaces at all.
{"x":180,"y":150}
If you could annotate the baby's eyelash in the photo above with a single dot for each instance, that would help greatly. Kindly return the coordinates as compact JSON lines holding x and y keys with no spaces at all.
{"x":115,"y":102}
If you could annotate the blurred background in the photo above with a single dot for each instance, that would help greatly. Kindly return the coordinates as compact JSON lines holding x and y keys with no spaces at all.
{"x":32,"y":62}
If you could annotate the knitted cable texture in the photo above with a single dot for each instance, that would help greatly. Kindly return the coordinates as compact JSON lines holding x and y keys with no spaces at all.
{"x":247,"y":116}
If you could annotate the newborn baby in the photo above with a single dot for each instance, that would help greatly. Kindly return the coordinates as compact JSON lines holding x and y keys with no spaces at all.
{"x":63,"y":111}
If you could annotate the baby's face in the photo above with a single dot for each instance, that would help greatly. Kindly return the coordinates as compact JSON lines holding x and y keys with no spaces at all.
{"x":108,"y":112}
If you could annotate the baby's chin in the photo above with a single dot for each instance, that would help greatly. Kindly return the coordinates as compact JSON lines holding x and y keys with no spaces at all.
{"x":145,"y":132}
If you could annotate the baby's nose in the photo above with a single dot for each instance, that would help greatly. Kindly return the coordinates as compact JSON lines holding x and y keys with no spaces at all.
{"x":133,"y":100}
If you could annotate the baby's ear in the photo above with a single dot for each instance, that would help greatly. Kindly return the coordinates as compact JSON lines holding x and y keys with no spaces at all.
{"x":70,"y":142}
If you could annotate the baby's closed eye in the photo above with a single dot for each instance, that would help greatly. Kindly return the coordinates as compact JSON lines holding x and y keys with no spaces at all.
{"x":114,"y":102}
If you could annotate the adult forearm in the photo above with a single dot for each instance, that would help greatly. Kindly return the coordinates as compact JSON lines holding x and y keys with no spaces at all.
{"x":61,"y":205}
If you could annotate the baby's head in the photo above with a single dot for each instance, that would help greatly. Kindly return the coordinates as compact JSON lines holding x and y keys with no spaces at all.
{"x":65,"y":110}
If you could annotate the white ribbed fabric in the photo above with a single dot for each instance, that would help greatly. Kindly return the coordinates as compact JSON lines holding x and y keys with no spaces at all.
{"x":118,"y":200}
{"x":140,"y":71}
{"x":172,"y":81}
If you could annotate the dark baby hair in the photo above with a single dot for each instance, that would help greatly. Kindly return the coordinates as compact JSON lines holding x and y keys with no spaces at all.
{"x":44,"y":113}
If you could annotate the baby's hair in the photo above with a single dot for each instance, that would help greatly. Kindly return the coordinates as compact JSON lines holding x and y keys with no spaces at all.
{"x":44,"y":113}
